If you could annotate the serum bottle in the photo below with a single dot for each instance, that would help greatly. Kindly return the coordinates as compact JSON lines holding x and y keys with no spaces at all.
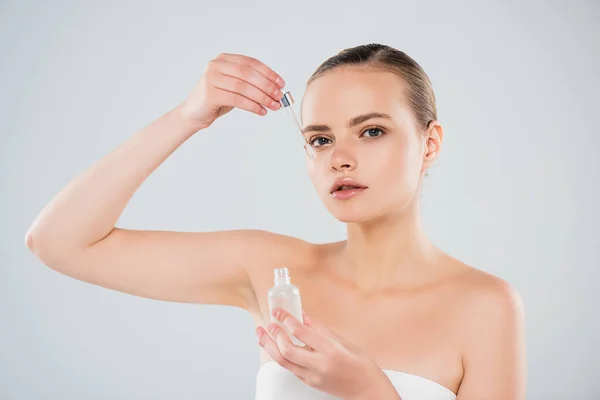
{"x":287,"y":296}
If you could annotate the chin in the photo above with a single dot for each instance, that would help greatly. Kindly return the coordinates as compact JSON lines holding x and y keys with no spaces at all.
{"x":351,"y":219}
{"x":359,"y":210}
{"x":353,"y":213}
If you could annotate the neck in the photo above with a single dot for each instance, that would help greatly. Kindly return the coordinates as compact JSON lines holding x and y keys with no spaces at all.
{"x":387,"y":251}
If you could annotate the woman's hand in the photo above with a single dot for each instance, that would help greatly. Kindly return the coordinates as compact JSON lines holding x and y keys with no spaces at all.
{"x":327,"y":361}
{"x":231,"y":80}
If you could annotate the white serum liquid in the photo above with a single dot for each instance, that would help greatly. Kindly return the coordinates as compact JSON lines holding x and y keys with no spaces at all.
{"x":287,"y":296}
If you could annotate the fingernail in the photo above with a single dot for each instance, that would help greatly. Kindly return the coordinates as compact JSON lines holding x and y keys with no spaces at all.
{"x":280,"y":81}
{"x":259,"y":332}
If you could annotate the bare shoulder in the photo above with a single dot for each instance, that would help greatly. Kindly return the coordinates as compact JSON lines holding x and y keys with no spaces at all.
{"x":487,"y":294}
{"x":489,"y":308}
{"x":282,"y":247}
{"x":279,"y":251}
{"x":490,"y":317}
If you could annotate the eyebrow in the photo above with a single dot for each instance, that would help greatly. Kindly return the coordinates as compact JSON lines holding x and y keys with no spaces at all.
{"x":359,"y":119}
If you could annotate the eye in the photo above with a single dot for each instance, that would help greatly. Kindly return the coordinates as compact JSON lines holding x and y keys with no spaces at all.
{"x":373,"y":132}
{"x":319,"y":141}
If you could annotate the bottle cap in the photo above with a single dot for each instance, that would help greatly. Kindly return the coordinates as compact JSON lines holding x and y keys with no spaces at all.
{"x":281,"y":275}
{"x":287,"y":99}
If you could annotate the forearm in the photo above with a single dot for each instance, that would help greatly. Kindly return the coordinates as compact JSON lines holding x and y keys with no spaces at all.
{"x":86,"y":210}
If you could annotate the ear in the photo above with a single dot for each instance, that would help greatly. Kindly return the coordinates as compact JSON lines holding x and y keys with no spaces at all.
{"x":433,"y":144}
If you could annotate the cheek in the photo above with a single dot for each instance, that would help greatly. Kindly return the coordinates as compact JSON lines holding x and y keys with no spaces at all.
{"x":317,"y":174}
{"x":398,"y":167}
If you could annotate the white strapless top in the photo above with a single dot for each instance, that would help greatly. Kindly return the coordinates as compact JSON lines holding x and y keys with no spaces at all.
{"x":274,"y":382}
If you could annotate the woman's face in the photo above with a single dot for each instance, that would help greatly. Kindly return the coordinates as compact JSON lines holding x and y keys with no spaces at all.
{"x":385,"y":153}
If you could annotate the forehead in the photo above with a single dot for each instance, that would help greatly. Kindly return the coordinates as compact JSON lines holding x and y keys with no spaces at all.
{"x":345,"y":92}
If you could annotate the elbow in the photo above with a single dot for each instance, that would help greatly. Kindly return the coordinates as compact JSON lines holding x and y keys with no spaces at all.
{"x":44,"y":248}
{"x":37,"y":245}
{"x":29,"y":241}
{"x":32,"y":236}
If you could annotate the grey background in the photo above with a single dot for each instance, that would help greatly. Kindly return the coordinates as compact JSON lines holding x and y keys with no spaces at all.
{"x":515,"y":192}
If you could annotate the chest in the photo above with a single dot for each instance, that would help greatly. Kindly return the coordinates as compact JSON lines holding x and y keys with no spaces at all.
{"x":410,"y":332}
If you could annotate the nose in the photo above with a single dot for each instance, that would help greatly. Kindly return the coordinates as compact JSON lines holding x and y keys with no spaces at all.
{"x":343,"y":159}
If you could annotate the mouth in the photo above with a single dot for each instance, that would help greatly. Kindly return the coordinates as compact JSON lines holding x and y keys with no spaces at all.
{"x":346,"y":188}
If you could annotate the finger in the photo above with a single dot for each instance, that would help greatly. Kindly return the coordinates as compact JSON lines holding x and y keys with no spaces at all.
{"x":306,"y":319}
{"x":301,"y":331}
{"x":325,"y":331}
{"x":239,"y":86}
{"x":237,"y":100}
{"x":257,"y":65}
{"x":246,"y":73}
{"x":299,"y":355}
{"x":267,"y":343}
{"x":320,"y":327}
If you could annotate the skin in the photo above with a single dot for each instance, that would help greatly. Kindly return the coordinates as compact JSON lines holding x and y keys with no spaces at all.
{"x":427,"y":313}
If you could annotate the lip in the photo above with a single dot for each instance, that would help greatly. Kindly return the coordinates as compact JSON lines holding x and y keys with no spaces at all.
{"x":348,"y":193}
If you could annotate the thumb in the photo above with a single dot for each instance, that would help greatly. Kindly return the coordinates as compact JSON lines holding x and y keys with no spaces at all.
{"x":320,"y":327}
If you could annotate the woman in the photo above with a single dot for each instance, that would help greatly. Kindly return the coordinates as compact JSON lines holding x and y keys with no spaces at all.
{"x":388,"y":315}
